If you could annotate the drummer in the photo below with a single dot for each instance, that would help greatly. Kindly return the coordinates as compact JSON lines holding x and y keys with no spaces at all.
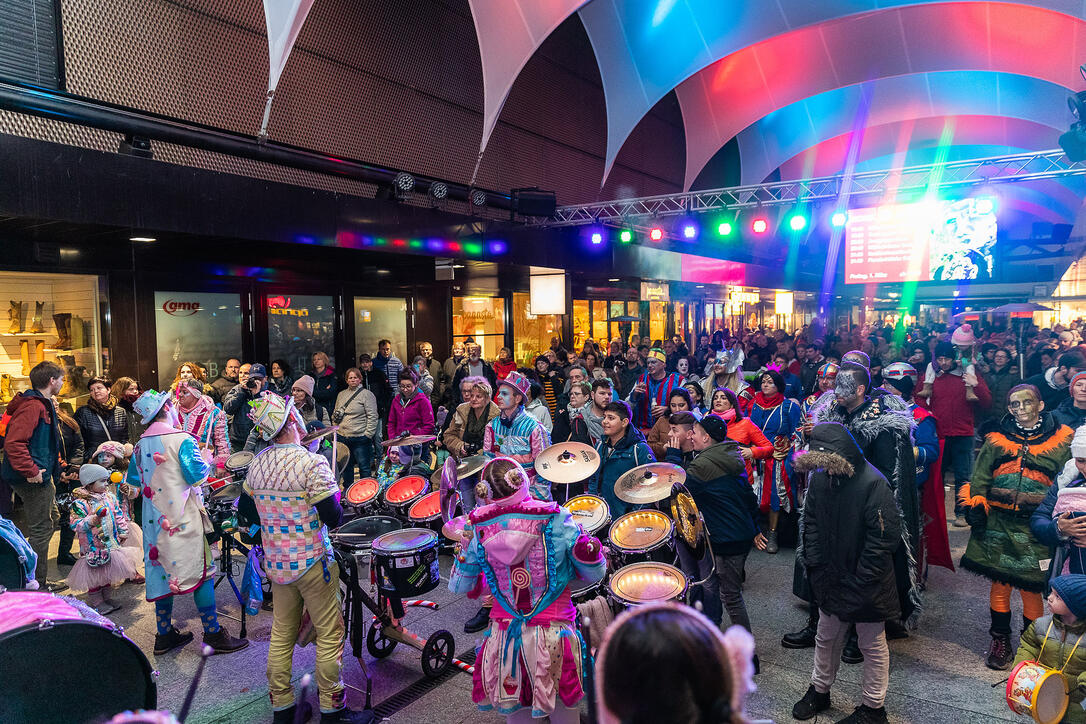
{"x":621,"y":448}
{"x":296,"y":496}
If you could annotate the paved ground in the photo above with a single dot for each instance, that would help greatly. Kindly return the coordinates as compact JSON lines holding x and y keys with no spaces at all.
{"x":937,"y":675}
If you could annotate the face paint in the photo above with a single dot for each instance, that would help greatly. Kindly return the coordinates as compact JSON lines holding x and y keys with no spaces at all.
{"x":845,"y":388}
{"x":1025,"y":408}
{"x":105,"y":460}
{"x":505,"y":398}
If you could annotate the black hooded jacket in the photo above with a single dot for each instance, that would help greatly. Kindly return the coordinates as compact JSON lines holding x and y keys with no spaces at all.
{"x":850,"y":530}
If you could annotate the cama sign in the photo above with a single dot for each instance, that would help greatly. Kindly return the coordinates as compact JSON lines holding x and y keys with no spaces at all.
{"x":176,"y":308}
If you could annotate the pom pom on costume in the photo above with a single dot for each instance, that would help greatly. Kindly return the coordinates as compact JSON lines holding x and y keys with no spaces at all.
{"x":587,"y":549}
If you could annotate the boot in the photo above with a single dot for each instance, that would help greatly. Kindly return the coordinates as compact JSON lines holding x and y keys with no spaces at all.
{"x":1000,"y":653}
{"x":771,"y":543}
{"x":77,"y":337}
{"x":64,"y":336}
{"x":69,"y":388}
{"x":289,"y":715}
{"x":811,"y":703}
{"x":223,"y":643}
{"x":851,"y":654}
{"x":170,"y":640}
{"x":39,"y":351}
{"x":15,"y":314}
{"x":35,"y":323}
{"x":896,"y":630}
{"x":805,"y":637}
{"x":24,"y":353}
{"x":478,"y":622}
{"x":863,"y":714}
{"x":5,"y":389}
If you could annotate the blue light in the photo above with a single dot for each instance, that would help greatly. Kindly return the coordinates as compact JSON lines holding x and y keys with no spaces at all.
{"x":798,"y":222}
{"x":597,"y":237}
{"x":839,"y":219}
{"x":497,"y":247}
{"x":690,"y":231}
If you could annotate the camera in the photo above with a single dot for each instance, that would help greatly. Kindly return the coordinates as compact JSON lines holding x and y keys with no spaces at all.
{"x":620,"y":364}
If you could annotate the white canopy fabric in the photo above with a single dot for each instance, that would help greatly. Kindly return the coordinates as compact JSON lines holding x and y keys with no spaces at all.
{"x":284,"y":20}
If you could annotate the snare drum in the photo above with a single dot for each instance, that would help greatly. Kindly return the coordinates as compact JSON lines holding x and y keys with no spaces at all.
{"x":406,"y":562}
{"x":648,"y":582}
{"x":362,"y":494}
{"x":401,"y":494}
{"x":642,"y":535}
{"x":239,"y":463}
{"x":590,"y":511}
{"x":356,"y":537}
{"x":426,"y":512}
{"x":59,"y":637}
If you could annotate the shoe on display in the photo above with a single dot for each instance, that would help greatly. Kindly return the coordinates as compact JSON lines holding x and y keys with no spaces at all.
{"x":15,"y":314}
{"x":478,"y":622}
{"x":863,"y":714}
{"x":811,"y":704}
{"x":64,"y":333}
{"x":164,"y":643}
{"x":222,"y":642}
{"x":291,"y":715}
{"x":35,"y":323}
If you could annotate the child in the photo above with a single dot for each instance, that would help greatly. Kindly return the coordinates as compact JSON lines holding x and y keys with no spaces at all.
{"x":1054,"y":640}
{"x":963,"y":341}
{"x":392,"y":468}
{"x":100,"y":526}
{"x":113,"y":456}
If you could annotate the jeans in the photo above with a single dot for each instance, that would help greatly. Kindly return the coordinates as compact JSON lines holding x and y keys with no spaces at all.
{"x":830,"y":641}
{"x":726,"y":585}
{"x":361,"y":449}
{"x":321,"y":598}
{"x":40,"y":516}
{"x":958,"y":457}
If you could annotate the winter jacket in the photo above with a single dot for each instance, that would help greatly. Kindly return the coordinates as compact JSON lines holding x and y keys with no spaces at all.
{"x":627,"y":378}
{"x":630,"y":451}
{"x":452,"y":396}
{"x":414,"y":416}
{"x":1059,"y":653}
{"x":657,"y":437}
{"x":502,"y":369}
{"x":32,"y":442}
{"x":97,"y":425}
{"x":376,"y":382}
{"x":926,"y":442}
{"x":221,"y":386}
{"x":282,"y":386}
{"x":391,"y":366}
{"x":1068,"y":414}
{"x":537,"y":408}
{"x":453,"y":437}
{"x":1052,"y":393}
{"x":850,"y":530}
{"x":360,"y":416}
{"x":717,"y":480}
{"x":237,"y":404}
{"x":999,"y":384}
{"x":747,"y":434}
{"x":438,"y":373}
{"x":325,"y":388}
{"x":570,"y":429}
{"x":1043,"y":524}
{"x":953,"y":414}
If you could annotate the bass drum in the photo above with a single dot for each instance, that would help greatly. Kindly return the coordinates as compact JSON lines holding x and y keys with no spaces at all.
{"x":46,"y":639}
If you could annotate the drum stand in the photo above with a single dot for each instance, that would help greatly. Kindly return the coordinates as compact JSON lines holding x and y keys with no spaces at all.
{"x":229,"y":543}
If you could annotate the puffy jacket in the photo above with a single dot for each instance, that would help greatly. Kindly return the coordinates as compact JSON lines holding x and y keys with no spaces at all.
{"x":631,"y":451}
{"x":850,"y":530}
{"x":414,"y":416}
{"x":32,"y":442}
{"x":717,"y":479}
{"x":1068,"y":414}
{"x":953,"y":414}
{"x":452,"y":394}
{"x":96,"y":425}
{"x":325,"y":388}
{"x":360,"y":413}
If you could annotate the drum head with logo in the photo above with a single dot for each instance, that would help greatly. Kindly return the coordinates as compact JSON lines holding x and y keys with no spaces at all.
{"x":640,"y":530}
{"x":590,"y":511}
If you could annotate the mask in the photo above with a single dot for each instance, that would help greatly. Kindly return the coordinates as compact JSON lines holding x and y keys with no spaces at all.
{"x":845,"y":388}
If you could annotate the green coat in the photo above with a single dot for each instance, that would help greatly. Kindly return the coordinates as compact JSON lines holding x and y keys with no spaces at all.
{"x":1011,"y":476}
{"x":1058,"y":646}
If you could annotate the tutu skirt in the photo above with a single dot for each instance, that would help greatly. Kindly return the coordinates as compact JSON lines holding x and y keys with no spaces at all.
{"x":133,"y":546}
{"x":85,"y":577}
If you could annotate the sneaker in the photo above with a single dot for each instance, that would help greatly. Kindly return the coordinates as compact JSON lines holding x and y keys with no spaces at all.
{"x":999,"y":653}
{"x":290,"y":715}
{"x":223,"y":643}
{"x":771,"y":542}
{"x":863,"y":714}
{"x":811,"y":704}
{"x":164,"y":643}
{"x":478,"y":622}
{"x":960,"y":522}
{"x":349,"y":716}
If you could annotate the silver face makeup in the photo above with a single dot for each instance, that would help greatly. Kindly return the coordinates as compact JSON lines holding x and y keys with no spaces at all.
{"x":845,"y":388}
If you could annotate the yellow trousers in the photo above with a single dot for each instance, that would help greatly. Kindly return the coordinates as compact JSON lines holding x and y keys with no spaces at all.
{"x":321,"y":598}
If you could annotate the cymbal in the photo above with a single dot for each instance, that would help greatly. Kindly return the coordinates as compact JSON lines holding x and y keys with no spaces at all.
{"x":567,"y":462}
{"x":470,"y":465}
{"x":230,"y":491}
{"x":454,"y":528}
{"x":408,"y":440}
{"x":648,"y":483}
{"x":688,"y":521}
{"x":318,"y":434}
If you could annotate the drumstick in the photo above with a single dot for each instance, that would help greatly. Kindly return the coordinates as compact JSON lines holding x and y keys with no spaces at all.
{"x":587,"y":668}
{"x":205,"y":653}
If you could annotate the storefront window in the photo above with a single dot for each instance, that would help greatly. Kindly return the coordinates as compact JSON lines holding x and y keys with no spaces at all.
{"x":657,"y":320}
{"x":298,"y":326}
{"x":582,"y":319}
{"x":531,"y":333}
{"x":599,"y":323}
{"x":196,"y":327}
{"x":377,"y":318}
{"x":482,"y":319}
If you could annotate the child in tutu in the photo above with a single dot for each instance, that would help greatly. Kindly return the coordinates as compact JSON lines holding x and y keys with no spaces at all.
{"x":113,"y":456}
{"x":100,"y":527}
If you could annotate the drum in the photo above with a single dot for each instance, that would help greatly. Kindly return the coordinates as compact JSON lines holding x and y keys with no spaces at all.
{"x":406,"y":562}
{"x":401,"y":494}
{"x":1037,"y":691}
{"x":649,"y":582}
{"x":586,"y":592}
{"x":356,"y":537}
{"x":590,"y":511}
{"x":44,"y":636}
{"x":239,"y":463}
{"x":426,"y":512}
{"x":362,"y":495}
{"x":642,"y":535}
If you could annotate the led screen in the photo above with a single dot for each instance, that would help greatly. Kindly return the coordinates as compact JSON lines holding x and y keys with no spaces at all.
{"x":921,"y":242}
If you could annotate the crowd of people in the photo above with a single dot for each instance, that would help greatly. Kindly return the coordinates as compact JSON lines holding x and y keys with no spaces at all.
{"x":838,"y":440}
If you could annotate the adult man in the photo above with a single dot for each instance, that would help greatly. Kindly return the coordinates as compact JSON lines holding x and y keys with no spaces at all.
{"x":671,"y":355}
{"x":954,"y":415}
{"x":516,"y":434}
{"x":1053,"y":382}
{"x":627,"y":375}
{"x":228,"y":379}
{"x":603,"y":393}
{"x":375,"y":381}
{"x":1072,"y":411}
{"x":1001,"y":376}
{"x":849,"y":534}
{"x":252,"y":382}
{"x":31,"y":463}
{"x":614,"y":354}
{"x":650,"y":394}
{"x":621,"y":448}
{"x":426,"y":351}
{"x":411,"y":412}
{"x":793,"y":388}
{"x":473,"y":366}
{"x":388,"y":363}
{"x":294,"y":493}
{"x":680,"y":442}
{"x":1015,"y":467}
{"x":167,"y":466}
{"x":449,"y":368}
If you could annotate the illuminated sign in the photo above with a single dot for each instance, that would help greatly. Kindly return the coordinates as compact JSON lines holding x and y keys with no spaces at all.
{"x":651,"y":292}
{"x":180,"y":309}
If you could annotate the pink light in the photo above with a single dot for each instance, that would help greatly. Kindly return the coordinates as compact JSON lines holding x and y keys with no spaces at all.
{"x":656,"y":234}
{"x":759,"y":226}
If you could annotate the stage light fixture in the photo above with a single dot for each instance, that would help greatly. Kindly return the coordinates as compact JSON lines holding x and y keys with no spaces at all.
{"x":625,"y":236}
{"x":405,"y":182}
{"x":798,"y":222}
{"x":838,"y":219}
{"x":759,"y":226}
{"x":1077,"y":104}
{"x":985,"y":206}
{"x":725,"y":228}
{"x":656,"y":234}
{"x":597,"y":237}
{"x":439,"y":190}
{"x":478,"y":198}
{"x":690,"y":231}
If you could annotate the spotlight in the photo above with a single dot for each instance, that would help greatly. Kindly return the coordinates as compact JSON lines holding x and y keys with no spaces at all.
{"x":798,"y":222}
{"x":759,"y":226}
{"x":725,"y":228}
{"x":439,"y":190}
{"x":404,"y":182}
{"x":985,"y":206}
{"x":656,"y":234}
{"x":597,"y":237}
{"x":838,"y":219}
{"x":625,"y":236}
{"x":1073,"y":143}
{"x":690,"y":231}
{"x":1077,"y":104}
{"x":478,"y":198}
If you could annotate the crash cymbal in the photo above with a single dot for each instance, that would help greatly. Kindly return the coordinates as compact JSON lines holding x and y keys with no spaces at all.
{"x":227,"y":492}
{"x":470,"y":465}
{"x":648,"y":483}
{"x":454,"y":528}
{"x":688,"y":521}
{"x":318,"y":434}
{"x":408,"y":440}
{"x":567,"y":462}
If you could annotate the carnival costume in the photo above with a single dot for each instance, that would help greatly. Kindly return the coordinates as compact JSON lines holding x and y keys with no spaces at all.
{"x":732,"y":378}
{"x":520,"y":438}
{"x":657,"y":392}
{"x":115,"y":456}
{"x":100,"y":526}
{"x":778,"y":418}
{"x":207,"y":423}
{"x":528,"y":552}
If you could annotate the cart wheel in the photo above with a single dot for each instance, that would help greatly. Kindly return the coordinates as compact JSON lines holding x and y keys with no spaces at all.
{"x":377,"y":643}
{"x":437,"y":654}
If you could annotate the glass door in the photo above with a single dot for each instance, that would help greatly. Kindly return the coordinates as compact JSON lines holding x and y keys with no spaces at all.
{"x":482,"y":319}
{"x":200,"y":327}
{"x":377,"y":318}
{"x":298,"y":326}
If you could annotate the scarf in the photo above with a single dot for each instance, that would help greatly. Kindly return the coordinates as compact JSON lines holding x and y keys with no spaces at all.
{"x":768,"y":402}
{"x":727,"y":415}
{"x":103,"y":409}
{"x":475,"y":426}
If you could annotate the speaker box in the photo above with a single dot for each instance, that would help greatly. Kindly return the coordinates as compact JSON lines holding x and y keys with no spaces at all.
{"x":534,"y":203}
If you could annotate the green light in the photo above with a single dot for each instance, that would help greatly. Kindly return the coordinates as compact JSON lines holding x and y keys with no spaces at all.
{"x":473,"y":247}
{"x":415,"y":244}
{"x":798,"y":222}
{"x":379,"y":242}
{"x":625,"y":236}
{"x":725,"y":229}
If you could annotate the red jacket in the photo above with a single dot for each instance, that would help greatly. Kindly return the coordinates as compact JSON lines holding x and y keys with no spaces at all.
{"x":747,"y":434}
{"x":415,"y":418}
{"x":953,"y":415}
{"x":501,"y":369}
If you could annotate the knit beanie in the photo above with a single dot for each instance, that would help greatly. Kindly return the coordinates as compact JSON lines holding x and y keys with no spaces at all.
{"x":1072,"y":589}
{"x":1078,"y":443}
{"x":89,"y":474}
{"x":945,"y":349}
{"x":714,"y":427}
{"x":1079,"y":376}
{"x":963,"y":336}
{"x":305,"y":382}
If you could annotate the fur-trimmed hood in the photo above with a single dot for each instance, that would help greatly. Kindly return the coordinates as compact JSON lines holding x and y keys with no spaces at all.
{"x":876,"y":414}
{"x":832,"y":449}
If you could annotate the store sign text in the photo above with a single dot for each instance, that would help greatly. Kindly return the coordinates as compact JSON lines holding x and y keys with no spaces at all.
{"x":289,"y":312}
{"x":180,"y":309}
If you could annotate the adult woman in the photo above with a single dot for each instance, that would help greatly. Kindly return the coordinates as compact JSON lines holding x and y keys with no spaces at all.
{"x":200,"y":418}
{"x":591,"y":361}
{"x":688,"y":671}
{"x":677,"y":401}
{"x":72,"y":453}
{"x":356,"y":414}
{"x":531,"y":660}
{"x":505,"y":363}
{"x":192,"y":371}
{"x":464,"y":436}
{"x":753,"y":444}
{"x":778,"y":418}
{"x":281,"y":377}
{"x":697,"y":397}
{"x":101,"y":418}
{"x":127,"y":391}
{"x":551,"y":381}
{"x":325,"y":385}
{"x":571,"y":425}
{"x":314,"y":415}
